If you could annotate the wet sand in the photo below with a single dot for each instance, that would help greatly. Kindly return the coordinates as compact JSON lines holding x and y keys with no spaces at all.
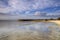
{"x":14,"y":30}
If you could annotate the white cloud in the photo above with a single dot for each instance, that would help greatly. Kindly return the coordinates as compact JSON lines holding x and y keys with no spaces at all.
{"x":23,"y":5}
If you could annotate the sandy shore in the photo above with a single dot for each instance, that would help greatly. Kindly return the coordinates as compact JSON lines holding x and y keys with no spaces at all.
{"x":55,"y":21}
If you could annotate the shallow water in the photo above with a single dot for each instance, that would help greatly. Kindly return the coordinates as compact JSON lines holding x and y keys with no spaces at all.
{"x":14,"y":30}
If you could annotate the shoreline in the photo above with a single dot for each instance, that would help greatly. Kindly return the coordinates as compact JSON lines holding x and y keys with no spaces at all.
{"x":54,"y":21}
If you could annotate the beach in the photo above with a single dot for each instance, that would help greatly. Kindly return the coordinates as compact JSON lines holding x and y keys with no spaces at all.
{"x":29,"y":30}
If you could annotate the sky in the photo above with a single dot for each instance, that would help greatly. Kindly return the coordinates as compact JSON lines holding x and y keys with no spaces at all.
{"x":29,"y":7}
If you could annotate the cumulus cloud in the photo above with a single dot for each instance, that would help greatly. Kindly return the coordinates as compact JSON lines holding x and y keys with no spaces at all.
{"x":32,"y":4}
{"x":27,"y":5}
{"x":3,"y":3}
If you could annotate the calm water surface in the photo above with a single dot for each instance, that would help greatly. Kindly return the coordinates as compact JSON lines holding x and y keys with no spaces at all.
{"x":14,"y":30}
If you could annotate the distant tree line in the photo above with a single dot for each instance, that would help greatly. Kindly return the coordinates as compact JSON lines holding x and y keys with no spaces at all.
{"x":59,"y":18}
{"x":38,"y":19}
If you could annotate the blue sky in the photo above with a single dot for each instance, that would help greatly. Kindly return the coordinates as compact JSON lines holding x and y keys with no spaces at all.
{"x":29,"y":6}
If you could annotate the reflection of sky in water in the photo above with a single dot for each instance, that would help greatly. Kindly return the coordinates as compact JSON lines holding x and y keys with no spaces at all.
{"x":34,"y":29}
{"x":43,"y":27}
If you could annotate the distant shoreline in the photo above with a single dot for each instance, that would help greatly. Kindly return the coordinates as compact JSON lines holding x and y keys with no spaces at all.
{"x":54,"y":21}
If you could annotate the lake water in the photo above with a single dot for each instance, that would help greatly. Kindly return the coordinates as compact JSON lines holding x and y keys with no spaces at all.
{"x":14,"y":30}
